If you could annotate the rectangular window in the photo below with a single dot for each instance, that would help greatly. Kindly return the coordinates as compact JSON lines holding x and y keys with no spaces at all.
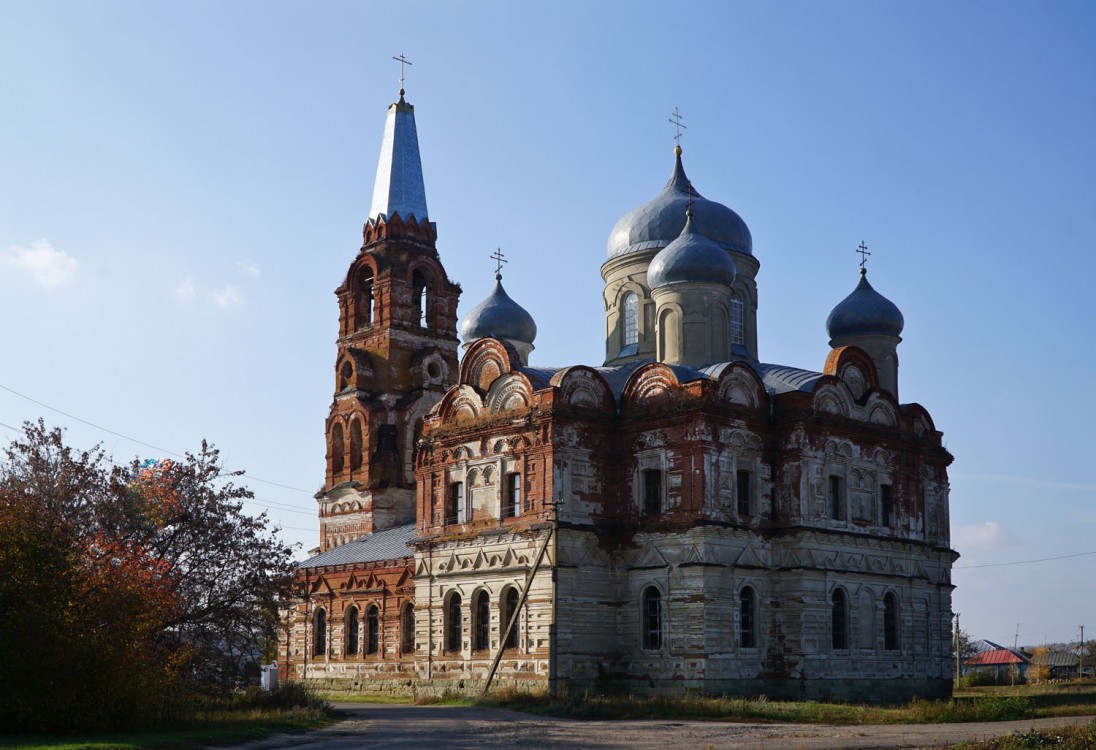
{"x":745,"y":493}
{"x":454,"y":506}
{"x":652,"y":492}
{"x":836,"y":501}
{"x":886,"y":506}
{"x":511,"y":506}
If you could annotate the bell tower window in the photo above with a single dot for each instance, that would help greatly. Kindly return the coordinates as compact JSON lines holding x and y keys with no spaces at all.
{"x":367,"y":298}
{"x":420,"y":296}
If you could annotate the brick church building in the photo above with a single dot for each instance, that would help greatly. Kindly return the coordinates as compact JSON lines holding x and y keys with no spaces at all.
{"x":682,"y":516}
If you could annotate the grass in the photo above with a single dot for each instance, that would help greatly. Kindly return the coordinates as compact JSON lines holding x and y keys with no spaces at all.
{"x":248,"y":716}
{"x":988,"y":704}
{"x":1081,"y":737}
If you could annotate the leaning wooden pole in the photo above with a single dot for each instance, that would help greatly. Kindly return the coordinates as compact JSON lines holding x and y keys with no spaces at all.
{"x":517,"y":611}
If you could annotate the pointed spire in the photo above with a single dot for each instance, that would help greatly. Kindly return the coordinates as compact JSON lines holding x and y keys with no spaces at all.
{"x":399,"y":187}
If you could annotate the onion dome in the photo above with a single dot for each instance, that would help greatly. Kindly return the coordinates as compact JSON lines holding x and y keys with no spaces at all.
{"x":865,"y":311}
{"x":657,"y":223}
{"x":692,"y":257}
{"x":498,"y":317}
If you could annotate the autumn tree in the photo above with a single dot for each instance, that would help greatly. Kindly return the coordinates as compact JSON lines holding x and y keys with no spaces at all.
{"x":123,"y":589}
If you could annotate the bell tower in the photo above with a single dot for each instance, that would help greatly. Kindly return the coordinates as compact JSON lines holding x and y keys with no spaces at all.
{"x":397,"y":348}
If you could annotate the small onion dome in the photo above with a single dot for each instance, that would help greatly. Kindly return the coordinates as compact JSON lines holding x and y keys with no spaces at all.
{"x":657,"y":223}
{"x":692,"y":257}
{"x":498,"y":317}
{"x":865,"y":311}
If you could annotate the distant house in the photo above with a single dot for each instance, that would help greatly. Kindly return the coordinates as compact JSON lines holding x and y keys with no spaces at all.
{"x":999,"y":659}
{"x":1061,"y":665}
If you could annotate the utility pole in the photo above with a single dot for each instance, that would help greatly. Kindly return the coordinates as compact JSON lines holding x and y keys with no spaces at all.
{"x":1081,"y":666}
{"x":958,"y":668}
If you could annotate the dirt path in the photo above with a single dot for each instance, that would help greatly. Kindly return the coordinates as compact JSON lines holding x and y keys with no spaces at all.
{"x":464,"y":728}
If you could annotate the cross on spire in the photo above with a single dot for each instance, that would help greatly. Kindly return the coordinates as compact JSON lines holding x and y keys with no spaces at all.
{"x":678,"y":127}
{"x":499,"y":259}
{"x":863,"y":250}
{"x":402,"y":61}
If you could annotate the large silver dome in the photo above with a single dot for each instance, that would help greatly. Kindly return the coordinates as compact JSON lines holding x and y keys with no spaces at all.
{"x":692,"y":257}
{"x":498,"y":317}
{"x":658,"y":223}
{"x":865,"y":311}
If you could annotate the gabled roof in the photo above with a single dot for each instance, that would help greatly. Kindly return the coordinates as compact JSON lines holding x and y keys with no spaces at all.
{"x":390,"y":544}
{"x":1057,"y":659}
{"x":996,"y":657}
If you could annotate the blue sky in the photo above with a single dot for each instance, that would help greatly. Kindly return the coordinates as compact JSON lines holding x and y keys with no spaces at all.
{"x":184,"y":187}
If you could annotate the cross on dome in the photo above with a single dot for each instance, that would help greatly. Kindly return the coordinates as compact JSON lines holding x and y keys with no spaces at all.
{"x":402,"y":61}
{"x":863,"y":250}
{"x":499,"y":259}
{"x":678,"y":126}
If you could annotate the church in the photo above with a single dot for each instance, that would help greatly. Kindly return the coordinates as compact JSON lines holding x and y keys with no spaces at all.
{"x":682,"y":517}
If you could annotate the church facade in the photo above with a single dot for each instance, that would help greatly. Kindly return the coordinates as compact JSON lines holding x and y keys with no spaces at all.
{"x":681,"y":517}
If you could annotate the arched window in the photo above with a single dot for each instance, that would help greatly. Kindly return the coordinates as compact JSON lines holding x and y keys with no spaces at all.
{"x":890,"y":622}
{"x":319,"y":633}
{"x":351,"y":629}
{"x":338,"y":448}
{"x":747,"y":618}
{"x":482,"y":622}
{"x":407,"y":628}
{"x":630,"y":329}
{"x":367,"y":298}
{"x":839,"y":620}
{"x":738,"y":319}
{"x":652,"y":618}
{"x":372,"y":630}
{"x":355,"y":445}
{"x":420,"y":298}
{"x":509,"y":609}
{"x":452,"y":623}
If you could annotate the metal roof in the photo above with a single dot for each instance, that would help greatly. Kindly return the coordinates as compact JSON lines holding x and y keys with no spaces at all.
{"x":498,"y":317}
{"x":658,"y":222}
{"x":865,"y":311}
{"x":390,"y":544}
{"x":1057,"y":659}
{"x":996,"y":657}
{"x":399,"y":187}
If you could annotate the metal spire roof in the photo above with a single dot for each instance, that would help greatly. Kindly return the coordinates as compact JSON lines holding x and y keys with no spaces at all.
{"x":399,"y":188}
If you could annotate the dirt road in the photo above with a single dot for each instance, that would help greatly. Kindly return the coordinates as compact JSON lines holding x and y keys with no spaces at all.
{"x":379,"y":727}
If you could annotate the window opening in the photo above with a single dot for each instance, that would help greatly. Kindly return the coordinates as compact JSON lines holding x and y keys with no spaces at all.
{"x":420,"y":294}
{"x":355,"y":445}
{"x":738,"y":320}
{"x":373,"y":630}
{"x":454,"y":511}
{"x":367,"y":298}
{"x":834,"y":496}
{"x":745,"y":492}
{"x":839,"y":620}
{"x":338,"y":448}
{"x":407,"y":629}
{"x":481,"y":639}
{"x":746,"y":622}
{"x":319,"y":633}
{"x":509,"y":607}
{"x":512,"y":504}
{"x":890,"y":622}
{"x":652,"y":619}
{"x":886,"y":506}
{"x":452,"y":624}
{"x":652,"y":492}
{"x":352,"y":631}
{"x":631,"y":319}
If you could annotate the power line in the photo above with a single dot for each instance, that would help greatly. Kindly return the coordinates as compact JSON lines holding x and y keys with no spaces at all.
{"x":1022,"y":562}
{"x":135,"y":440}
